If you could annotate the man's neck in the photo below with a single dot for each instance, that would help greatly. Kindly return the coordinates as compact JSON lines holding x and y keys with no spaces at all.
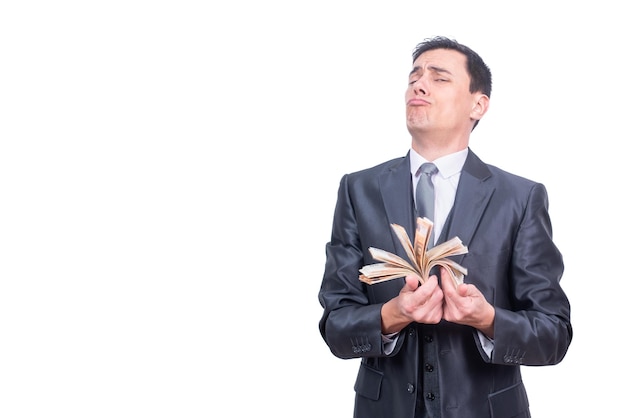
{"x":431,"y":150}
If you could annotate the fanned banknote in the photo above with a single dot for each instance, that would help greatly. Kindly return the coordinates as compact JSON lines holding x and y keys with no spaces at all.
{"x":421,"y":261}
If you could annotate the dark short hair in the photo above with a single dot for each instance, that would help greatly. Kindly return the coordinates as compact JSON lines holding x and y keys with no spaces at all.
{"x":480,"y":74}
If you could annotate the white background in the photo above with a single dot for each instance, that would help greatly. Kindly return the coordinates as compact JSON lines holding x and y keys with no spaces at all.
{"x":168,"y":173}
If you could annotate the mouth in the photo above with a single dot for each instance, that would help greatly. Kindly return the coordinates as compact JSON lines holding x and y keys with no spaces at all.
{"x":416,"y":101}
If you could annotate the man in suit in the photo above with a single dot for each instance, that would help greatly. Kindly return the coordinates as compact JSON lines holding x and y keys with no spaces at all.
{"x":436,"y":349}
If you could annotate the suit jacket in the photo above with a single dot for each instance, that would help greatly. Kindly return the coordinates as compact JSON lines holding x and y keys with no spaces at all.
{"x":503,"y":220}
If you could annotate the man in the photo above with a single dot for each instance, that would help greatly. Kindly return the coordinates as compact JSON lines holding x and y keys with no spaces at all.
{"x":438,"y":349}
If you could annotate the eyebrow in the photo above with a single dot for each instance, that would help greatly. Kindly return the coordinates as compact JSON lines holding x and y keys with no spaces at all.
{"x":432,"y":68}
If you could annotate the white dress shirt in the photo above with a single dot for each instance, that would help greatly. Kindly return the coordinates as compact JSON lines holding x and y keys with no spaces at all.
{"x":445,"y":181}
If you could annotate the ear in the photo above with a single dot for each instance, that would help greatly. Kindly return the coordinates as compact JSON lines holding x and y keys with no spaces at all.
{"x":481,"y":105}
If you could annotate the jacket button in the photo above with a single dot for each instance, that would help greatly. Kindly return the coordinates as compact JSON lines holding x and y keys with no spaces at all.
{"x":410,"y":388}
{"x":430,"y":396}
{"x":411,"y":332}
{"x":429,"y":367}
{"x":428,"y":338}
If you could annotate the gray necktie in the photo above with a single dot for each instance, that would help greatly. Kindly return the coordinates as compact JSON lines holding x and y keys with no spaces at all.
{"x":425,"y":194}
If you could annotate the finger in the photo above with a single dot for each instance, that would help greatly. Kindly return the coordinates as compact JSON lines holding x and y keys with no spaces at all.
{"x":432,"y":281}
{"x":412,"y":282}
{"x":432,"y":290}
{"x":447,"y":283}
{"x":463,"y":289}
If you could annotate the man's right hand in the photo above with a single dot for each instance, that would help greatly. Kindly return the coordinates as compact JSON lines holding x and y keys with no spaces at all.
{"x":414,"y":303}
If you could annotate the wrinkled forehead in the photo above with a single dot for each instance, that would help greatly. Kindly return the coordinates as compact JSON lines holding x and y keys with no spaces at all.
{"x":449,"y":59}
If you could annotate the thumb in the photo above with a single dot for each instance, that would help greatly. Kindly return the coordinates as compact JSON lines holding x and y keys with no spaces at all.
{"x":412,"y":281}
{"x":463,"y":289}
{"x":447,"y":282}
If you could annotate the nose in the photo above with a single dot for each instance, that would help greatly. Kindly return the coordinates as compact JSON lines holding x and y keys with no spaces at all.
{"x":419,"y":86}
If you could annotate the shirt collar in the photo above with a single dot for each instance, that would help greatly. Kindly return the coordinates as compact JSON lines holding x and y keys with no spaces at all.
{"x":448,"y":165}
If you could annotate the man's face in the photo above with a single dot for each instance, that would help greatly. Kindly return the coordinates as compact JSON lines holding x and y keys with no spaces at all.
{"x":438,"y":97}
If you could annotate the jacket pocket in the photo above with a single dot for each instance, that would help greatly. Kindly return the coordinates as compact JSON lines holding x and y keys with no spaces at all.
{"x":510,"y":402}
{"x":368,"y":382}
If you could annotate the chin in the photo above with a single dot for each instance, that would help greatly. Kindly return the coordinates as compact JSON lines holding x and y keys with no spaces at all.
{"x":415,"y":125}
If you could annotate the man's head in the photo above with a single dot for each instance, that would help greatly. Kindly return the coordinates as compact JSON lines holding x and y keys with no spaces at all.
{"x":480,"y":74}
{"x":448,"y":92}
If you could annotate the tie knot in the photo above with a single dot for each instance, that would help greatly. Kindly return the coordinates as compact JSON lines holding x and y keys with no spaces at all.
{"x":428,"y":168}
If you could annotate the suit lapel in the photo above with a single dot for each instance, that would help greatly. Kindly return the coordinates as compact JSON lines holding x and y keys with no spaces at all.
{"x":472,"y":197}
{"x":397,"y":195}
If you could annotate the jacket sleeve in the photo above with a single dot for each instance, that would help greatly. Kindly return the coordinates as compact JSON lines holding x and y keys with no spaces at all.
{"x":533,"y":326}
{"x":350,"y":323}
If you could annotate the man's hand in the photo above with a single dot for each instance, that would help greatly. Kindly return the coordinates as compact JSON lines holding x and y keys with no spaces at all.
{"x":465,"y":304}
{"x":423,"y":304}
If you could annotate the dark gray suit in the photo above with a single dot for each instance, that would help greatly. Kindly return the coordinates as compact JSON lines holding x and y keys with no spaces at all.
{"x":503,"y":220}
